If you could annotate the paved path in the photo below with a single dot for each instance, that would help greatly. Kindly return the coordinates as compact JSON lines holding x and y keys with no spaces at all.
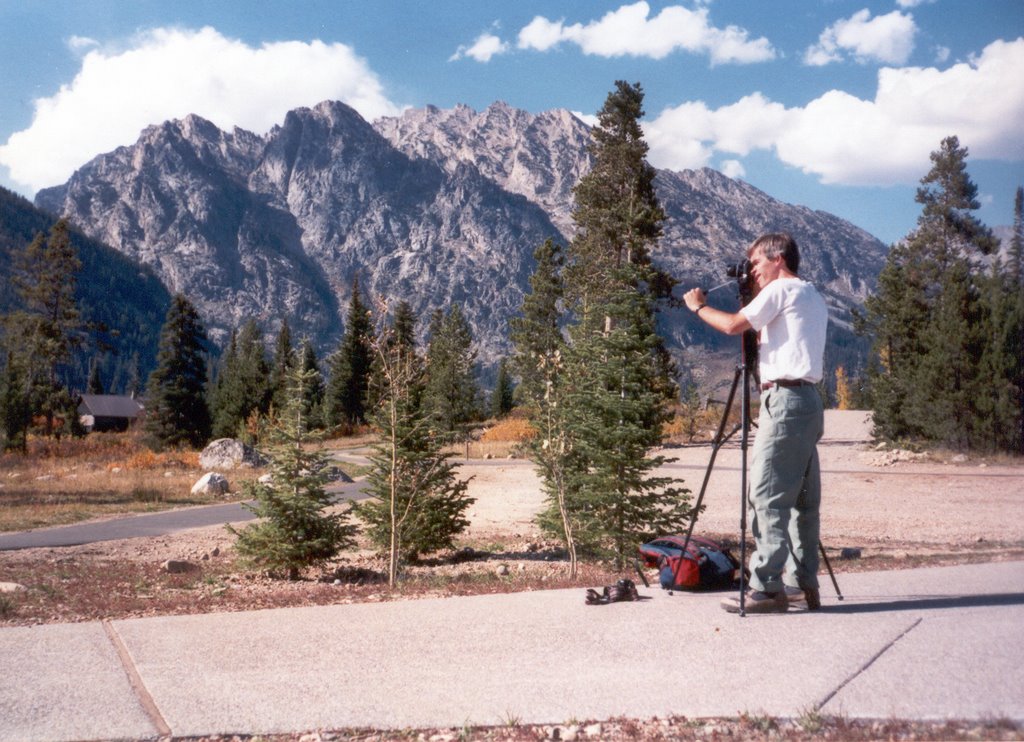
{"x":931,"y":643}
{"x":148,"y":524}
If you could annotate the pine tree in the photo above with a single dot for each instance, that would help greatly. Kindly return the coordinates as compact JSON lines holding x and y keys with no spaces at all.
{"x":1015,"y":260}
{"x":417,"y":505}
{"x":314,"y":390}
{"x":617,"y":409}
{"x":618,"y":384}
{"x":281,"y":366}
{"x":243,"y":390}
{"x":15,"y":407}
{"x":351,"y":366}
{"x":49,"y":327}
{"x":502,"y":399}
{"x":95,"y":383}
{"x":294,"y":531}
{"x":404,"y":329}
{"x":176,"y":409}
{"x":536,"y":334}
{"x":221,"y":403}
{"x":930,"y":326}
{"x":450,"y":394}
{"x":1000,"y":405}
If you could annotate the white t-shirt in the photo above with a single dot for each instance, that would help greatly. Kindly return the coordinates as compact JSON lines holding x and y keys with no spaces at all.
{"x":792,"y":318}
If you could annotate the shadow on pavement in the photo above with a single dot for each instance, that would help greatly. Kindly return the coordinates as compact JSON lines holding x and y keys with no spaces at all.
{"x":925,"y":604}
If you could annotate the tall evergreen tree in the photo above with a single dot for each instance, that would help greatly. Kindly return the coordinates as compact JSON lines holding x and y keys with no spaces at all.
{"x":1015,"y":261}
{"x":49,"y":327}
{"x":281,"y":366}
{"x":95,"y":383}
{"x":930,"y":324}
{"x":612,"y":380}
{"x":15,"y":407}
{"x":351,"y":365}
{"x":503,"y":397}
{"x":417,"y":504}
{"x":314,"y":389}
{"x":450,"y":394}
{"x":243,"y":391}
{"x":404,"y":328}
{"x":544,"y":388}
{"x":176,"y":409}
{"x":537,"y":334}
{"x":294,"y":530}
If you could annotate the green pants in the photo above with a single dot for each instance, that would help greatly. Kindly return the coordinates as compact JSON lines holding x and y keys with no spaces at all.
{"x":785,"y":489}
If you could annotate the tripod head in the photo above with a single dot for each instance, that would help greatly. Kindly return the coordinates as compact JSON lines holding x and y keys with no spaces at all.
{"x":745,"y":290}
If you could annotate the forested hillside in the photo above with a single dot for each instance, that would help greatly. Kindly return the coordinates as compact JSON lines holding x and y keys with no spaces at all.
{"x":122,"y":303}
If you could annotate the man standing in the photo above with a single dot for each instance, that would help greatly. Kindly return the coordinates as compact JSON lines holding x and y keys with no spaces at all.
{"x":785,"y":493}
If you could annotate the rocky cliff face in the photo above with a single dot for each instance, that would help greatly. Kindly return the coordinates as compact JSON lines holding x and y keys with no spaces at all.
{"x":433,"y":207}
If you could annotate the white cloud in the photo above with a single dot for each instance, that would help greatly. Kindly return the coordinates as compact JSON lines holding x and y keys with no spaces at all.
{"x":913,"y":3}
{"x":487,"y":45}
{"x":168,"y":73}
{"x":842,"y":139}
{"x":78,"y":43}
{"x":631,"y":31}
{"x":733,"y":169}
{"x":888,"y":39}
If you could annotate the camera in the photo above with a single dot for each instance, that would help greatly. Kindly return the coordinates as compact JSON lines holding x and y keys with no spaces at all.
{"x":741,"y":272}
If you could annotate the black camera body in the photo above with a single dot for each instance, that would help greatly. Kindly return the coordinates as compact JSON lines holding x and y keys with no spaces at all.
{"x":744,"y":280}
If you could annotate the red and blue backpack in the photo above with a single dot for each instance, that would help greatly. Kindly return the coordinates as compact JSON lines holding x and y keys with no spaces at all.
{"x":704,"y":565}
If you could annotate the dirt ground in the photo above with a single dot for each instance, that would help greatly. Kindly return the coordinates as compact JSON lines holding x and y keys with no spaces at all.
{"x":897,"y":508}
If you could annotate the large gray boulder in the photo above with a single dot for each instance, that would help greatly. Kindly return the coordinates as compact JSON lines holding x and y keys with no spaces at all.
{"x":229,"y":453}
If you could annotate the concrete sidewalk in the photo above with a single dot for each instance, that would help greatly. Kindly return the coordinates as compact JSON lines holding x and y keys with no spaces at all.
{"x":931,"y":643}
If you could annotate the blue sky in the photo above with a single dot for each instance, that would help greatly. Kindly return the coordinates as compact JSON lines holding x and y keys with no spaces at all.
{"x":834,"y":105}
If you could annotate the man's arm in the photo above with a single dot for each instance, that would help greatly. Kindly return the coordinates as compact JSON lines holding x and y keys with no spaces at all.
{"x":727,"y":322}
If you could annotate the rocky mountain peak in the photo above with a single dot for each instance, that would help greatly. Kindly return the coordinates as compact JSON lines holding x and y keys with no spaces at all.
{"x":433,"y":206}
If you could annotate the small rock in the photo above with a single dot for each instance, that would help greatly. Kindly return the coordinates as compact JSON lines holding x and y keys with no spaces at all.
{"x":116,"y":470}
{"x":12,"y":587}
{"x":592,"y":730}
{"x":211,"y":483}
{"x":168,"y":474}
{"x":502,"y":571}
{"x":176,"y":566}
{"x":850,"y":552}
{"x":266,"y":479}
{"x":959,"y":459}
{"x":44,"y":477}
{"x":216,"y":551}
{"x":571,"y":733}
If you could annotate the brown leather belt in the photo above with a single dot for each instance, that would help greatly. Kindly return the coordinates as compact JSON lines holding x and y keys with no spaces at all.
{"x":788,"y":383}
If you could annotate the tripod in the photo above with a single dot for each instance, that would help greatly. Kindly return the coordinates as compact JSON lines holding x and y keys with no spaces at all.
{"x":741,"y":379}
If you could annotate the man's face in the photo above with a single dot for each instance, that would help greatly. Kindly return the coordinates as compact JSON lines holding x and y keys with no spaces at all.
{"x":764,"y":270}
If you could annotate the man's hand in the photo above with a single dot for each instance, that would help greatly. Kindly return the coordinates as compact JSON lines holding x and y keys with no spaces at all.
{"x":694,"y":298}
{"x":730,"y":324}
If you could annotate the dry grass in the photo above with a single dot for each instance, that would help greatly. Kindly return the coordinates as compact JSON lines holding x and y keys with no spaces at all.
{"x":103,"y":474}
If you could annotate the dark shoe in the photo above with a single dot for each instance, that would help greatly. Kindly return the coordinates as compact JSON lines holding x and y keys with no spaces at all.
{"x":758,"y":602}
{"x":807,"y":597}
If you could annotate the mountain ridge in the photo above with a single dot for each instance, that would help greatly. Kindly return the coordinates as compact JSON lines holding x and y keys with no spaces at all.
{"x":434,"y":206}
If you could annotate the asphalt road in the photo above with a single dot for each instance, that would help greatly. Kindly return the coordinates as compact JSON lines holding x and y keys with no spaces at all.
{"x":149,"y":524}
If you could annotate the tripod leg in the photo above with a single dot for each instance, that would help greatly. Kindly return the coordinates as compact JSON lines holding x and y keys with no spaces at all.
{"x":828,"y":566}
{"x":716,"y":444}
